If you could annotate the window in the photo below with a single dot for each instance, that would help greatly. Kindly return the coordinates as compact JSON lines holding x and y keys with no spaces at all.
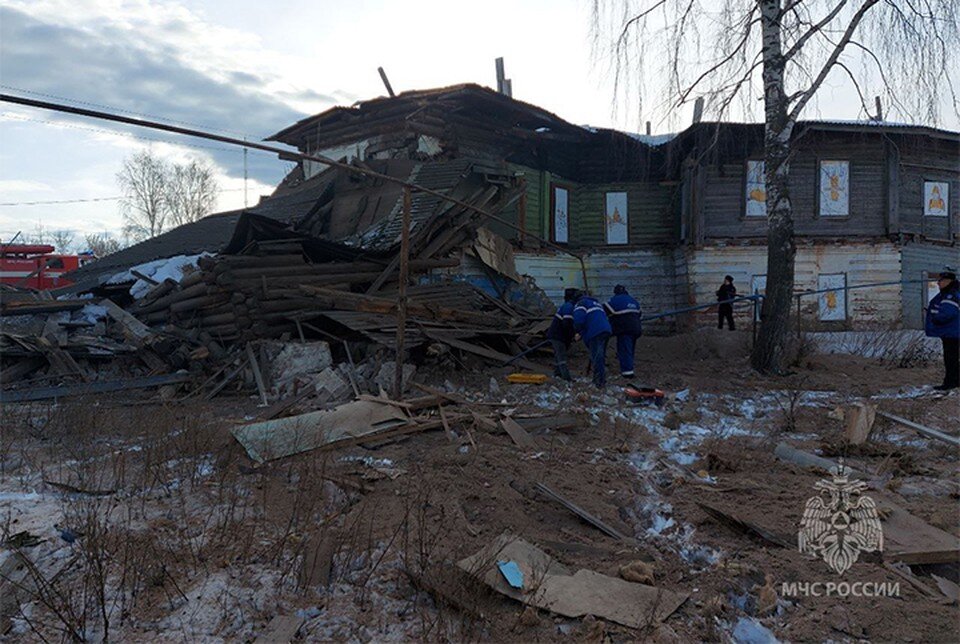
{"x":936,"y":198}
{"x":832,"y":304}
{"x":834,"y":188}
{"x":616,"y":218}
{"x":560,"y":223}
{"x":56,"y":262}
{"x":755,"y":190}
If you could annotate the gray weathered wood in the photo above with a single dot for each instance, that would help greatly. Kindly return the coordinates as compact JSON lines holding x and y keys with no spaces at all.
{"x":926,"y":431}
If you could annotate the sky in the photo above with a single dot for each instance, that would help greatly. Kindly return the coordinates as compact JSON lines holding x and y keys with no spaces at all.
{"x":249,"y":68}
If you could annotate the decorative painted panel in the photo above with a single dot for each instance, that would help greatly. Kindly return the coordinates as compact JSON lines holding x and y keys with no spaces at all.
{"x":936,"y":198}
{"x":755,"y":190}
{"x":561,"y":215}
{"x":616,"y":218}
{"x":834,"y":188}
{"x":832,"y":304}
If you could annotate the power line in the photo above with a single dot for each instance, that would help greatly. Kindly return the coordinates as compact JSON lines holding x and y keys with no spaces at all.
{"x":16,"y":117}
{"x":289,"y":155}
{"x":91,"y":199}
{"x":117,"y":109}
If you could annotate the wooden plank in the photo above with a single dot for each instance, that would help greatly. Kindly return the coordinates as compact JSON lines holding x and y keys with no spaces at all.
{"x":583,"y":514}
{"x":281,"y":406}
{"x":925,"y":431}
{"x":257,"y":375}
{"x":60,"y":360}
{"x":402,"y":294}
{"x":134,"y":329}
{"x":64,"y":391}
{"x":226,"y":381}
{"x":518,"y":433}
{"x":911,"y":540}
{"x":483,"y":351}
{"x":281,"y":629}
{"x":906,"y":538}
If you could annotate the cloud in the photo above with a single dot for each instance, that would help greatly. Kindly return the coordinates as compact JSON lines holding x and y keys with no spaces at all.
{"x":160,"y":63}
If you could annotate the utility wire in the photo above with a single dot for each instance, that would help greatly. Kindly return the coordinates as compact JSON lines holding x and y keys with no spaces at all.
{"x":120,"y":110}
{"x":16,"y":117}
{"x":91,"y":199}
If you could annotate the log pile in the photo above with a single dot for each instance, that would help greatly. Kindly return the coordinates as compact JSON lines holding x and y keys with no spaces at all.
{"x":241,"y":297}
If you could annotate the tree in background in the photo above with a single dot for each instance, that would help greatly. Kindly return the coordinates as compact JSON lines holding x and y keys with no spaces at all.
{"x":62,"y":240}
{"x":191,"y":192}
{"x":143,"y":183}
{"x":158,"y":195}
{"x":101,"y":244}
{"x":731,"y":51}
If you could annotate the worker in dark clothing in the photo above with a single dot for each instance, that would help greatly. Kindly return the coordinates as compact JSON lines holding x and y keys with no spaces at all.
{"x":624,"y":314}
{"x":943,"y":321}
{"x":561,"y":333}
{"x":725,"y":293}
{"x":591,"y":324}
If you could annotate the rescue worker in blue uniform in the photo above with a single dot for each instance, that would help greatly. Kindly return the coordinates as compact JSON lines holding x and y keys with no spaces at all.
{"x":943,"y":321}
{"x":624,"y":313}
{"x":591,"y":324}
{"x":561,"y":333}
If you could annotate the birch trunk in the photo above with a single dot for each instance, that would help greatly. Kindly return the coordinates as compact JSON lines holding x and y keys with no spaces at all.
{"x":769,"y":354}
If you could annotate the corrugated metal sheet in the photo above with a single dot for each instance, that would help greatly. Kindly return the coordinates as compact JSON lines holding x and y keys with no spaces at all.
{"x":649,"y":275}
{"x":917,"y":261}
{"x":863,"y":263}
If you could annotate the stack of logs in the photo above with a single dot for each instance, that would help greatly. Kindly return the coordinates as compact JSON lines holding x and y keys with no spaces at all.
{"x":240,"y":297}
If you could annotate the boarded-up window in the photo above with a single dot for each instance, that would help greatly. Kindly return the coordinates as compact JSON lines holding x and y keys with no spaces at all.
{"x":758,"y":286}
{"x":755,"y":190}
{"x":936,"y":198}
{"x":834,"y":188}
{"x":616,"y":218}
{"x":561,"y":215}
{"x":832,"y":303}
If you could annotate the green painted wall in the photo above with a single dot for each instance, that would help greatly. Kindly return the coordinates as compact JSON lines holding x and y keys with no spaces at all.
{"x":649,"y":209}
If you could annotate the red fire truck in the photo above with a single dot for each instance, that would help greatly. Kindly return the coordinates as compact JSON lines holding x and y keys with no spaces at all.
{"x":36,"y":266}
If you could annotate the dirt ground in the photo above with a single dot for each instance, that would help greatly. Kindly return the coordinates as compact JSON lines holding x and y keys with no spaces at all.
{"x":152,"y":524}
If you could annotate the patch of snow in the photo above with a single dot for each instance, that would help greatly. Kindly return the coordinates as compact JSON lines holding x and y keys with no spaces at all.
{"x":749,"y":631}
{"x":91,"y":313}
{"x":158,"y":270}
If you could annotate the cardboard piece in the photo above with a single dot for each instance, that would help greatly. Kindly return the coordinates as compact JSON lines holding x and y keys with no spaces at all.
{"x":552,"y":586}
{"x":272,"y":439}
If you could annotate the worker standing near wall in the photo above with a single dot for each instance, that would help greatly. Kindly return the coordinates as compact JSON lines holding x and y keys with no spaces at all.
{"x":727,"y":291}
{"x":943,"y":321}
{"x":591,"y":324}
{"x":624,"y":313}
{"x":561,"y":333}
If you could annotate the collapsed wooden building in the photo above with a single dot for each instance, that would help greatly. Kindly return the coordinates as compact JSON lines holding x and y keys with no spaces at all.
{"x":667,"y":216}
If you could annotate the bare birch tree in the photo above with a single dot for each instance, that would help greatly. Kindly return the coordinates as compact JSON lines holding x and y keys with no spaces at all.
{"x":158,"y":195}
{"x":143,"y":182}
{"x":729,"y":51}
{"x":101,"y":244}
{"x":191,"y":192}
{"x":62,"y":240}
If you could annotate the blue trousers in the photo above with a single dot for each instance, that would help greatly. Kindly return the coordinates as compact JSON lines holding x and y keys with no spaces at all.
{"x":626,"y":345}
{"x":598,"y":358}
{"x":560,"y":369}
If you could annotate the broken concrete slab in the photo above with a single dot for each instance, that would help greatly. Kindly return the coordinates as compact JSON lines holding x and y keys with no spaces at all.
{"x":272,"y":439}
{"x":284,"y":361}
{"x":331,"y":384}
{"x":552,"y":586}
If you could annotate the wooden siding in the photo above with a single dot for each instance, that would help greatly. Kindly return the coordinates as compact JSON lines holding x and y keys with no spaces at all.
{"x":924,"y":159}
{"x":723,"y":199}
{"x":863,"y":263}
{"x":650,"y":213}
{"x":919,"y":260}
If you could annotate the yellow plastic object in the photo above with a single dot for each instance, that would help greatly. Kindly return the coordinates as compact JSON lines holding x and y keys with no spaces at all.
{"x":527,"y":378}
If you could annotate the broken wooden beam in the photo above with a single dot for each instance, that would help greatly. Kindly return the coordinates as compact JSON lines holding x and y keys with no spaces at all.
{"x":583,"y":514}
{"x":925,"y":431}
{"x":64,"y":391}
